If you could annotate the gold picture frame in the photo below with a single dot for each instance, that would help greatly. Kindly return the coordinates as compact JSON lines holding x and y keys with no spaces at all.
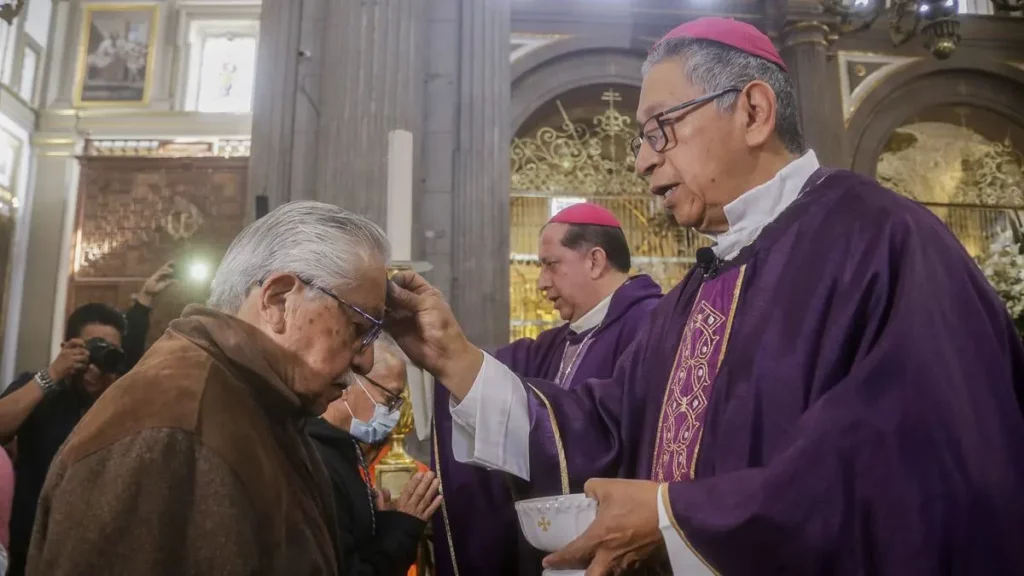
{"x":110,"y":55}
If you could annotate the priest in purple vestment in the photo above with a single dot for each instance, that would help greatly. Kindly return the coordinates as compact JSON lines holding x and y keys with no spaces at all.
{"x":585,"y":263}
{"x":835,"y":390}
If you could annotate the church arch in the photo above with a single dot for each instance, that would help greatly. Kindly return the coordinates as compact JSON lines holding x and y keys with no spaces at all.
{"x":566,"y":68}
{"x":925,"y":85}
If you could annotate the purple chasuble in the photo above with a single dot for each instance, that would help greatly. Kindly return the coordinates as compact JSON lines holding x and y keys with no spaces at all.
{"x":845,"y":397}
{"x":477,"y":524}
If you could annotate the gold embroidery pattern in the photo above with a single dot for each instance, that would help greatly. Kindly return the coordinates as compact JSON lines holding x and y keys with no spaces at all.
{"x":700,"y":340}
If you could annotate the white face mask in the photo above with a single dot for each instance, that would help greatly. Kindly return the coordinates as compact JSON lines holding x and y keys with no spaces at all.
{"x":380,"y":425}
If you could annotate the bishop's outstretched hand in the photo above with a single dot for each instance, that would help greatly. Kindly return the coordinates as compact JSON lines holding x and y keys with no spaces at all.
{"x":424,"y":326}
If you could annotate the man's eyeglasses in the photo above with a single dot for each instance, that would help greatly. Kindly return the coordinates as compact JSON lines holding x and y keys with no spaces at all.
{"x":392,"y":401}
{"x":371,"y":333}
{"x":656,"y":135}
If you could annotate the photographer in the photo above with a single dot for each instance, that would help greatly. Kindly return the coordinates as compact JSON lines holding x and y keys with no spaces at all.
{"x":39,"y":410}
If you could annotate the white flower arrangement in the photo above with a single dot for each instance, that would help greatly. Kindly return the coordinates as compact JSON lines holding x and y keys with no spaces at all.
{"x":1004,"y":268}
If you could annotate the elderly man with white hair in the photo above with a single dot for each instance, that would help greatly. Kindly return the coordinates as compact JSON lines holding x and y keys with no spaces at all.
{"x":196,"y":462}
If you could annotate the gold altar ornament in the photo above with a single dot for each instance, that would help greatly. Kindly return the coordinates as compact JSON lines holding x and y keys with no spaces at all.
{"x":396,"y":468}
{"x":974,"y":185}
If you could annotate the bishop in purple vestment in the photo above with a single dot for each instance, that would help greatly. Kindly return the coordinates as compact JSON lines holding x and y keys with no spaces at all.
{"x":585,"y":263}
{"x":836,"y":390}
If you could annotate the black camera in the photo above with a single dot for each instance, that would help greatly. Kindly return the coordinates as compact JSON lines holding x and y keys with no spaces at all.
{"x":104,"y":355}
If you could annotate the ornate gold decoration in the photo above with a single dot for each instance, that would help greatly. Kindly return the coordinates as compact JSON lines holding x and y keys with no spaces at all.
{"x":973,"y":184}
{"x":544,"y":524}
{"x":396,"y":468}
{"x":223,"y":148}
{"x":579,"y":160}
{"x":940,"y":163}
{"x":184,"y":220}
{"x":11,"y":9}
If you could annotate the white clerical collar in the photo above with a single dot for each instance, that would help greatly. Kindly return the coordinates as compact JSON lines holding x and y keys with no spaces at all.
{"x":758,"y":207}
{"x":592,"y":318}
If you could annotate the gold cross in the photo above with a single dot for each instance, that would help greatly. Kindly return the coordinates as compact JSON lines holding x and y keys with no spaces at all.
{"x":544,"y":524}
{"x":611,"y":97}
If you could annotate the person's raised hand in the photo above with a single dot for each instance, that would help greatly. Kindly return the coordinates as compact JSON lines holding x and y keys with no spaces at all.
{"x":424,"y":326}
{"x":420,"y":497}
{"x":73,"y":359}
{"x":156,"y":284}
{"x":624,"y":533}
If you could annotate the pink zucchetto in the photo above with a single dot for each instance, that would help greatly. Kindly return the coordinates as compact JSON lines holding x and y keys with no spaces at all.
{"x":739,"y":35}
{"x":586,"y":213}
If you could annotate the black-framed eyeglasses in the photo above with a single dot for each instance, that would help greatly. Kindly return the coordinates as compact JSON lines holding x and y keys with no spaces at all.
{"x":392,"y":401}
{"x":656,"y":136}
{"x":376,"y":326}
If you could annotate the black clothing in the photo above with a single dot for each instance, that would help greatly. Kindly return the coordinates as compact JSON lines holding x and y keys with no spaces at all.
{"x":384,"y":545}
{"x":45,"y":430}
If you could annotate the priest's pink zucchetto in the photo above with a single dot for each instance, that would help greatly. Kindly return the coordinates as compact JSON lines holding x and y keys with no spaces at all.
{"x":586,"y":213}
{"x":739,"y":35}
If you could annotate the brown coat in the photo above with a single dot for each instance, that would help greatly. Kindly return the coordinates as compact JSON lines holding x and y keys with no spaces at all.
{"x":194,"y":463}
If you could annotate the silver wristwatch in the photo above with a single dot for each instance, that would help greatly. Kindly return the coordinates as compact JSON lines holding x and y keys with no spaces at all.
{"x":45,"y":382}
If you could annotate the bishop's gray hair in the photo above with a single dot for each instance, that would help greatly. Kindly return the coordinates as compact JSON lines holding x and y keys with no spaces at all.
{"x":322,"y":243}
{"x":712,"y":66}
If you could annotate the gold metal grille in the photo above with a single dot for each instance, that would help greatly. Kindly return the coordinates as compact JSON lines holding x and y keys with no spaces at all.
{"x":588,"y":161}
{"x":970,"y":182}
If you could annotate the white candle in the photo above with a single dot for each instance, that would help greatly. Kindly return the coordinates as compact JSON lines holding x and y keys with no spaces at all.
{"x":399,"y":214}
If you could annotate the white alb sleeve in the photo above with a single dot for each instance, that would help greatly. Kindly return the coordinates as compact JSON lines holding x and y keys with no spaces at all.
{"x":491,"y":426}
{"x":684,"y":561}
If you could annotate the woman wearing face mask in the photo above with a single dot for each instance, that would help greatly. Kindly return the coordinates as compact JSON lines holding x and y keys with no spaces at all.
{"x":376,"y":536}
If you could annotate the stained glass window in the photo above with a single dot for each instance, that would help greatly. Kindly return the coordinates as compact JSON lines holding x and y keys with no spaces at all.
{"x":226,"y":72}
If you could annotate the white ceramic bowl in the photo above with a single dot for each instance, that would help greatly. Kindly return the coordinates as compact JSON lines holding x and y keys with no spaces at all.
{"x":551,"y":522}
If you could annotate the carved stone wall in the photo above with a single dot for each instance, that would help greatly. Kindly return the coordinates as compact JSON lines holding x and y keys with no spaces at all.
{"x":138,"y":213}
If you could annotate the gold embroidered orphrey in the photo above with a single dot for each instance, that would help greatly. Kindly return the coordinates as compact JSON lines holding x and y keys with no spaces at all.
{"x":688,"y":393}
{"x":702,"y":327}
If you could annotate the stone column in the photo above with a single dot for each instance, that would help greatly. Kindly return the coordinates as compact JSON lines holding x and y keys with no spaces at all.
{"x":371,"y":82}
{"x":274,"y":101}
{"x":804,"y":48}
{"x":480,"y":245}
{"x":54,"y":185}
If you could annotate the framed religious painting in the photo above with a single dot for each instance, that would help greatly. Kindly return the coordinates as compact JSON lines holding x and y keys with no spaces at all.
{"x":116,"y":53}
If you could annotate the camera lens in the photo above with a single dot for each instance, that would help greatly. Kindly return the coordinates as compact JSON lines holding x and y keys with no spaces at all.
{"x":104,"y":355}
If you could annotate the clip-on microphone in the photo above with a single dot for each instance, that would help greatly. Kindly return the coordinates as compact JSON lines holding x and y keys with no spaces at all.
{"x":708,"y":261}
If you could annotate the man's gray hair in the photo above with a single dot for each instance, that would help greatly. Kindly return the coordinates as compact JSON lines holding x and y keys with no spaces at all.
{"x":387,"y":343}
{"x":321,"y":243}
{"x":712,"y":66}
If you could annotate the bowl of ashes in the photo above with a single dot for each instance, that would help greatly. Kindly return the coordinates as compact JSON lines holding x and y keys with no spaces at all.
{"x":551,"y":522}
